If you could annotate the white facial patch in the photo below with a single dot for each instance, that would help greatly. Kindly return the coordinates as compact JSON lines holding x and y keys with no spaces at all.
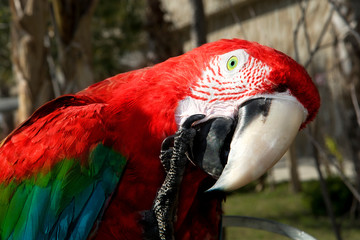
{"x":228,"y":80}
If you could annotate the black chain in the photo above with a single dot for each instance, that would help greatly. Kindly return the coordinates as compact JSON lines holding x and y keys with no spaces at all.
{"x":174,"y":161}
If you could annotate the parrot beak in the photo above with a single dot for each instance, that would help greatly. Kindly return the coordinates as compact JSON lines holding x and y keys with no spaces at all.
{"x":238,"y":152}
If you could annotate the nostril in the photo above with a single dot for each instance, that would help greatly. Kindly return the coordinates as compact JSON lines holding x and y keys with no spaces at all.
{"x":281,"y":88}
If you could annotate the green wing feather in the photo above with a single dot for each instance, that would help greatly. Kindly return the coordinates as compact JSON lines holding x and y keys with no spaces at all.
{"x":70,"y":196}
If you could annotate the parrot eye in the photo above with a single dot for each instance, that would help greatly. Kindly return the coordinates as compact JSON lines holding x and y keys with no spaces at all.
{"x":232,"y":63}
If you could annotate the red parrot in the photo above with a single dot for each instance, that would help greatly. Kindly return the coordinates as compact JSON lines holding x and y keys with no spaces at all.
{"x":147,"y":153}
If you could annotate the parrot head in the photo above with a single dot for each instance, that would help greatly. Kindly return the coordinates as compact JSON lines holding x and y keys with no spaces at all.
{"x":254,"y":100}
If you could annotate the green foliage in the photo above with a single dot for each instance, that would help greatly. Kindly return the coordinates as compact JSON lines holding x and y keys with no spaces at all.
{"x":333,"y":148}
{"x":286,"y":207}
{"x":340,"y":197}
{"x":117,"y":27}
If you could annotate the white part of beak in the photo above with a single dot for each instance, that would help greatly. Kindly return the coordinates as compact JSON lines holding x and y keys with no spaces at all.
{"x":260,"y":142}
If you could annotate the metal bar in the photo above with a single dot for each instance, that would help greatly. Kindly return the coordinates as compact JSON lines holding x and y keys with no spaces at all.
{"x":266,"y":225}
{"x":8,"y":104}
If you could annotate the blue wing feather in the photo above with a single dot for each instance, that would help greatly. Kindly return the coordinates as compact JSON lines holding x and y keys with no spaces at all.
{"x":89,"y":214}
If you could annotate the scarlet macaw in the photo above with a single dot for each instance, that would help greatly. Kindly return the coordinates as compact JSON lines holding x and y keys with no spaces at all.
{"x":87,"y":165}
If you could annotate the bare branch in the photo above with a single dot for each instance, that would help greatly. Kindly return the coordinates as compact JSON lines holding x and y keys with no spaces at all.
{"x":303,"y":6}
{"x":326,"y":195}
{"x":355,"y":101}
{"x":319,"y":40}
{"x":356,"y":35}
{"x":296,"y":31}
{"x":347,"y":24}
{"x":329,"y":158}
{"x":236,"y":18}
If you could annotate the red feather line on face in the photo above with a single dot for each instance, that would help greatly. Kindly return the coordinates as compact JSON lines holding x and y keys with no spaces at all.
{"x":285,"y":71}
{"x":253,"y":74}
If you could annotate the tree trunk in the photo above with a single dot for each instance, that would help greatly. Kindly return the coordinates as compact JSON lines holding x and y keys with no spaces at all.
{"x":28,"y":30}
{"x":72,"y":21}
{"x":295,"y":183}
{"x":199,"y":23}
{"x":162,"y":41}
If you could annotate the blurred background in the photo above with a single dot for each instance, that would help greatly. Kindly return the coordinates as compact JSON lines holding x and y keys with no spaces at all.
{"x":53,"y":47}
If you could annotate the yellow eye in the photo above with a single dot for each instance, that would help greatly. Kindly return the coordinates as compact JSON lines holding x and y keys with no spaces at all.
{"x":232,"y":63}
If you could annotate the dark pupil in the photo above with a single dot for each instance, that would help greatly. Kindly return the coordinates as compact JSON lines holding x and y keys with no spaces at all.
{"x":232,"y":63}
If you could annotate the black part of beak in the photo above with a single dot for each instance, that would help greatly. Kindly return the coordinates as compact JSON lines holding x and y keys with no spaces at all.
{"x":252,"y":109}
{"x":190,"y":120}
{"x":211,"y":145}
{"x":168,"y":142}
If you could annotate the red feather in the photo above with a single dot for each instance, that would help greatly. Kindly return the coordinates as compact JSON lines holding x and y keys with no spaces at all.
{"x":66,"y":127}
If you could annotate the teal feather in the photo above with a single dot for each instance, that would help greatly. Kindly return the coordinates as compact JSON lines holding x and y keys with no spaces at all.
{"x":20,"y":226}
{"x":37,"y":205}
{"x":89,"y":213}
{"x":54,"y":210}
{"x":63,"y":223}
{"x":81,"y":200}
